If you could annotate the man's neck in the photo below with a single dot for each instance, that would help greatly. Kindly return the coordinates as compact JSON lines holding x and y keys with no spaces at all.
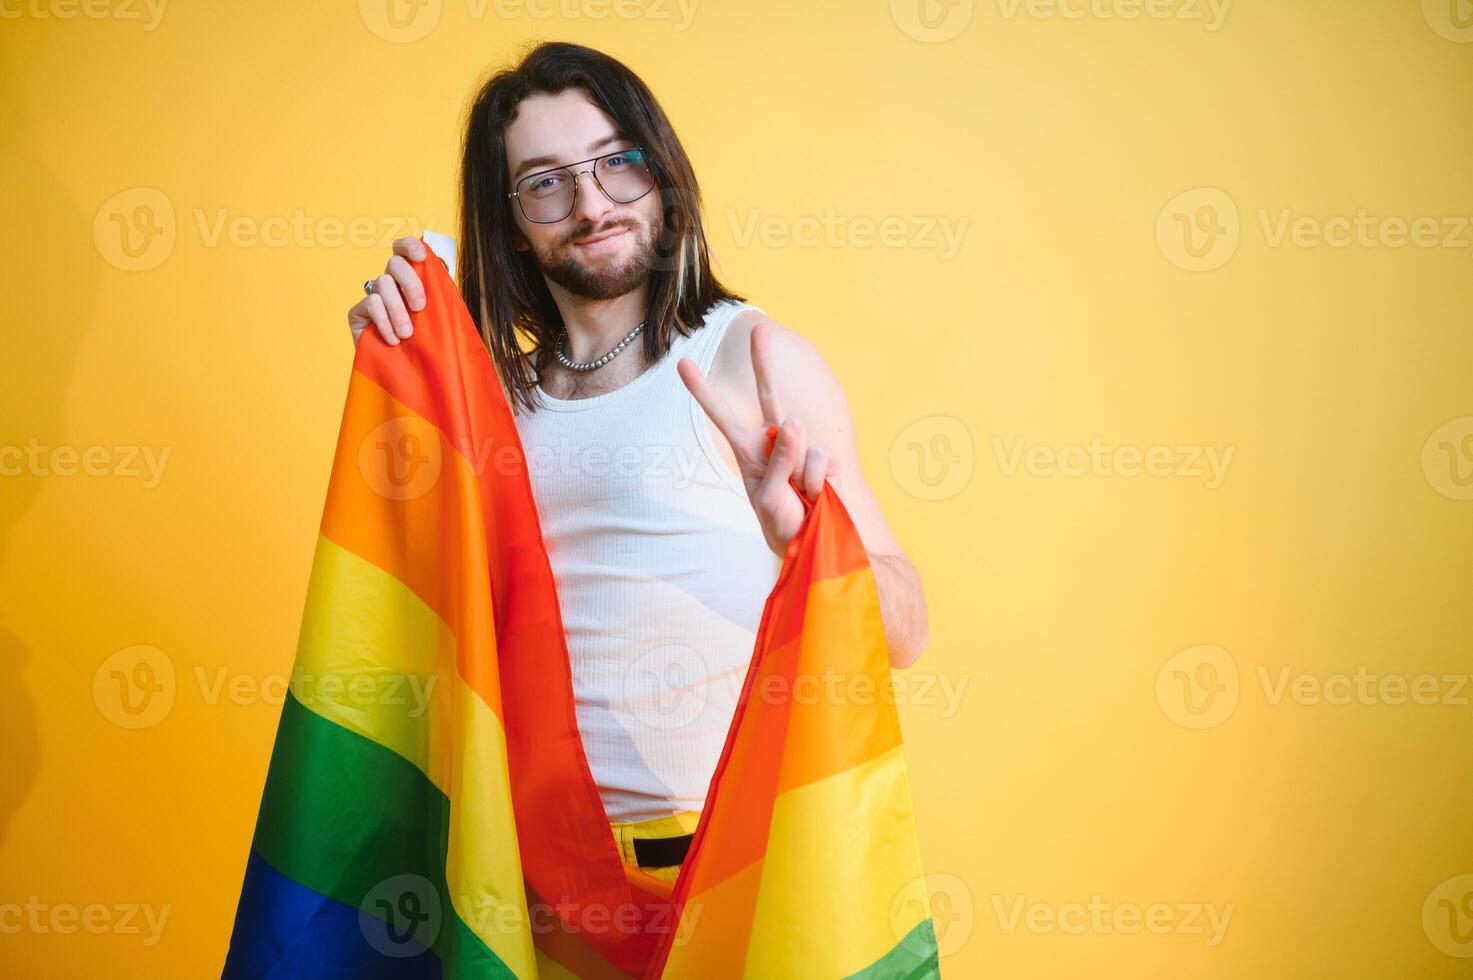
{"x":594,"y":328}
{"x":596,"y":325}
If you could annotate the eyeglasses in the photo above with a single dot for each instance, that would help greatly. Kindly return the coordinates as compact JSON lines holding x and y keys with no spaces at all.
{"x":549,"y":196}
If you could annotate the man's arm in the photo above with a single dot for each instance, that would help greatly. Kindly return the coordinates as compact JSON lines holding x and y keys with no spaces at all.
{"x":813,"y":395}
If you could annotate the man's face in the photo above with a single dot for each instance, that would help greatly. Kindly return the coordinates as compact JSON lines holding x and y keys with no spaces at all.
{"x":554,"y":130}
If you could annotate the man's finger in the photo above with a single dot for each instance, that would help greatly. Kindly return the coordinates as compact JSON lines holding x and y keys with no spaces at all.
{"x":380,"y":318}
{"x":815,"y":469}
{"x":712,"y":401}
{"x":387,"y":290}
{"x":767,"y":393}
{"x":786,"y":455}
{"x":411,"y":248}
{"x":410,"y":285}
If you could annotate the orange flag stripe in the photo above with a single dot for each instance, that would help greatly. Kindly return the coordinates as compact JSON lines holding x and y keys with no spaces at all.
{"x":363,"y":516}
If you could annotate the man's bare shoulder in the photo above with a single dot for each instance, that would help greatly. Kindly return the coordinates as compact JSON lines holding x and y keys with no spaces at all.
{"x":731,"y":369}
{"x":794,"y":357}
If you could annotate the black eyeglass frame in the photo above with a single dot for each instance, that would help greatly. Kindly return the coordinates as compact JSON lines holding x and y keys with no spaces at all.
{"x":573,"y":205}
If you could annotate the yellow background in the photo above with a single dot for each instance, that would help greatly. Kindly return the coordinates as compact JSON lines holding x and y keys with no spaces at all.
{"x":1070,"y":150}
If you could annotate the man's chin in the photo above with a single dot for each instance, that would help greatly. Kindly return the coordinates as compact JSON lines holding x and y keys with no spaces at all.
{"x":601,"y":285}
{"x":598,"y":276}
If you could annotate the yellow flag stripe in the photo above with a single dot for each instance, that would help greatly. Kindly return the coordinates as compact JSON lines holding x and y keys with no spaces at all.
{"x":376,"y":660}
{"x":821,"y":857}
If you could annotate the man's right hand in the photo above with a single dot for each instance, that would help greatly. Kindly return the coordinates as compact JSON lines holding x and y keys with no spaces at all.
{"x":395,"y":293}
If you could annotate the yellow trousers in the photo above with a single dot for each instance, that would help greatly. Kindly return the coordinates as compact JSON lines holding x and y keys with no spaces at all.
{"x":676,"y":824}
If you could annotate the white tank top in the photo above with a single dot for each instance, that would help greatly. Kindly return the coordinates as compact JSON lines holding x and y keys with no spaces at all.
{"x":662,"y":574}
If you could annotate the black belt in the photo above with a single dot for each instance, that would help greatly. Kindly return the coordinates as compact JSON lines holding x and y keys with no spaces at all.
{"x":660,"y":852}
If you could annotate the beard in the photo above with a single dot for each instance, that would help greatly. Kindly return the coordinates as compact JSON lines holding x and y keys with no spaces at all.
{"x":601,"y":277}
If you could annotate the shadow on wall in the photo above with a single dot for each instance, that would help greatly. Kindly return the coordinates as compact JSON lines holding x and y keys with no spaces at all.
{"x":49,"y":325}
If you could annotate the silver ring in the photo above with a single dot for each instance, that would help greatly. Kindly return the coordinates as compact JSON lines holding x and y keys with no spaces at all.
{"x":368,"y":287}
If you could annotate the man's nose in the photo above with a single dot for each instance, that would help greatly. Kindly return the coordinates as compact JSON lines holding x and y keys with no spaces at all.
{"x":591,"y":203}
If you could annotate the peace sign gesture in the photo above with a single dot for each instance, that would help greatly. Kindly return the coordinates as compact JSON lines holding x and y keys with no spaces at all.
{"x":774,"y":471}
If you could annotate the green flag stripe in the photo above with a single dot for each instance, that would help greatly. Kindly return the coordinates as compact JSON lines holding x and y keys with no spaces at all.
{"x":342,"y":814}
{"x":913,"y":958}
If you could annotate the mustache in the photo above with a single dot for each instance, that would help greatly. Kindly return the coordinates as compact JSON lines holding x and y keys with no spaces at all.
{"x":588,"y":232}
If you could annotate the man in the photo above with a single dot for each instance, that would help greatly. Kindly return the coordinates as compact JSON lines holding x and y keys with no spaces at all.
{"x":665,"y":526}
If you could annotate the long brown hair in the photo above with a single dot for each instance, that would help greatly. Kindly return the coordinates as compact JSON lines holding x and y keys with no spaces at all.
{"x":503,"y":288}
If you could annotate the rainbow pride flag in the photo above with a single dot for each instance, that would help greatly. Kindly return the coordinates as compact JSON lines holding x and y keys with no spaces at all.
{"x":429,"y":811}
